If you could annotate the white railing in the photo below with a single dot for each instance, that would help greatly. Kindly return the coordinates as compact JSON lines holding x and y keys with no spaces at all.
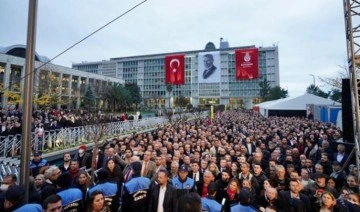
{"x":64,"y":138}
{"x":54,"y":140}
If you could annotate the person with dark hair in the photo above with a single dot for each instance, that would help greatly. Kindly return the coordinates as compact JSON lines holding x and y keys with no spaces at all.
{"x":244,"y":202}
{"x":190,"y":202}
{"x":114,"y":170}
{"x":222,"y":184}
{"x":72,"y":198}
{"x":65,"y":166}
{"x":74,"y":170}
{"x":293,"y":200}
{"x":34,"y":196}
{"x":135,"y":195}
{"x":97,"y":202}
{"x":110,"y":190}
{"x":14,"y":198}
{"x":259,"y":175}
{"x":52,"y":203}
{"x":209,"y":202}
{"x":8,"y":181}
{"x":163,"y":195}
{"x":14,"y":201}
{"x":83,"y":183}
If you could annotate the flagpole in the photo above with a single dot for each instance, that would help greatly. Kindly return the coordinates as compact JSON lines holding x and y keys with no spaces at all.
{"x":27,"y":104}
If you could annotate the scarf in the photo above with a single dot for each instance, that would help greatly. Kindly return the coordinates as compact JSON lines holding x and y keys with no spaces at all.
{"x":231,"y":194}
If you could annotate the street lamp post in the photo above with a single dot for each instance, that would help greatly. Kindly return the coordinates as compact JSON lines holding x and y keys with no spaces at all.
{"x":313,"y":79}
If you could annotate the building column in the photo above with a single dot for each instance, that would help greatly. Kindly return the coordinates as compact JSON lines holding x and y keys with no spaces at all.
{"x":22,"y":84}
{"x":58,"y":105}
{"x":78,"y":99}
{"x":6,"y":83}
{"x":69,"y":91}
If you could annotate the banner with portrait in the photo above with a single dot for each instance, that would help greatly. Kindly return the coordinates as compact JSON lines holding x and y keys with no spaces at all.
{"x":247,"y":63}
{"x":209,"y":67}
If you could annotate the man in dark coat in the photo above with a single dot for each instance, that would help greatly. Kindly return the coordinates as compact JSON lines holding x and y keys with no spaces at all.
{"x":169,"y":199}
{"x":293,"y":200}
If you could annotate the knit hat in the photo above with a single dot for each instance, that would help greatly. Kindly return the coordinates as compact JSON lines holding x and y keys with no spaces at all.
{"x":83,"y":146}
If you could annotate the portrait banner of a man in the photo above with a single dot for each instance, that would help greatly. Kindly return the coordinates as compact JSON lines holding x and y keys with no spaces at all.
{"x":209,"y":67}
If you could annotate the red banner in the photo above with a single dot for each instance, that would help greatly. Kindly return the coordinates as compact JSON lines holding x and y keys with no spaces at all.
{"x":247,"y":63}
{"x":175,"y":69}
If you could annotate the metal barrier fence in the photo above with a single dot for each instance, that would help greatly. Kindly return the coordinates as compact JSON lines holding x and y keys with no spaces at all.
{"x":70,"y":137}
{"x":63,"y":138}
{"x":54,"y":140}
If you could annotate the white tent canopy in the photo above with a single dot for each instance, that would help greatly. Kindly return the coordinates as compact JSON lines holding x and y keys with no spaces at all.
{"x":294,"y":103}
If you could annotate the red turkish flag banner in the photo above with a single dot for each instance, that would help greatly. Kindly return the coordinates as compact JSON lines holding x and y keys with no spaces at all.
{"x":175,"y":69}
{"x":247,"y":63}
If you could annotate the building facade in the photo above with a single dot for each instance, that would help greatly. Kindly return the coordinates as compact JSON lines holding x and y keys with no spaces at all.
{"x":147,"y":71}
{"x":69,"y":84}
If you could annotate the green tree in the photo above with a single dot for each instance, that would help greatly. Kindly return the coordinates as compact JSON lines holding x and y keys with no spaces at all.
{"x":118,"y":97}
{"x":336,"y":94}
{"x":134,"y":90}
{"x":181,"y":101}
{"x":89,"y":99}
{"x":312,"y":89}
{"x":277,"y":93}
{"x":264,"y":90}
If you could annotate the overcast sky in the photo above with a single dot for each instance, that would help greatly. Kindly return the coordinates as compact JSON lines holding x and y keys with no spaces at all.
{"x":310,"y":33}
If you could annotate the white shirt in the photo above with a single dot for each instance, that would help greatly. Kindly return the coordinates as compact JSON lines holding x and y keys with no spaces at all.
{"x":339,"y":157}
{"x":249,"y":148}
{"x":196,"y":176}
{"x":162,"y":191}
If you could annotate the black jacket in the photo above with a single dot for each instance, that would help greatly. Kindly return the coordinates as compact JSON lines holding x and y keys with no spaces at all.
{"x":170,"y":199}
{"x":290,"y":204}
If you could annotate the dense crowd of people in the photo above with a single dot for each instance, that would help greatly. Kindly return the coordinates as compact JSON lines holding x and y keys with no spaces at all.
{"x":53,"y":119}
{"x":239,"y":161}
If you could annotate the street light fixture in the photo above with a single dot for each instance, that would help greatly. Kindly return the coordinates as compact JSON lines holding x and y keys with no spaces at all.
{"x":313,"y":79}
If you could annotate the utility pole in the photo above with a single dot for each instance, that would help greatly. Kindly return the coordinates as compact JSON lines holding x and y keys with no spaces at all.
{"x":27,"y":105}
{"x":352,"y":32}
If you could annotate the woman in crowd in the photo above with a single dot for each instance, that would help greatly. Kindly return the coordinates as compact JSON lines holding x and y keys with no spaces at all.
{"x":213,"y":168}
{"x":83,"y":182}
{"x":97,"y":203}
{"x":328,"y":203}
{"x":115,"y":173}
{"x":331,"y":182}
{"x":351,"y":182}
{"x":231,"y":194}
{"x":268,"y":183}
{"x":235,"y":169}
